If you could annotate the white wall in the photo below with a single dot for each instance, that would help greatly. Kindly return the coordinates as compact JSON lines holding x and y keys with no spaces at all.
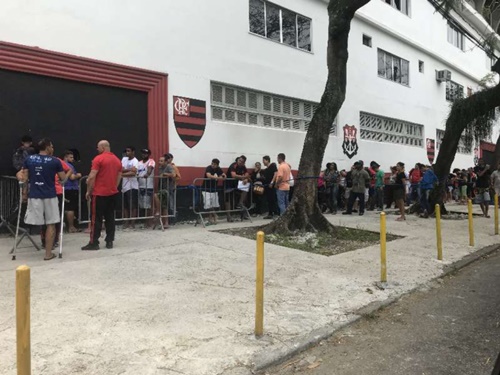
{"x":197,"y":42}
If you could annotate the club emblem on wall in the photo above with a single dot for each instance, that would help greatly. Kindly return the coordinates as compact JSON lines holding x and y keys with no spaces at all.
{"x":190,"y":119}
{"x":431,"y":149}
{"x":350,"y":144}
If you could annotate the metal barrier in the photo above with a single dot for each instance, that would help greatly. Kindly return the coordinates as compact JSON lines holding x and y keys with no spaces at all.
{"x":9,"y":209}
{"x":152,"y":198}
{"x":236,"y":197}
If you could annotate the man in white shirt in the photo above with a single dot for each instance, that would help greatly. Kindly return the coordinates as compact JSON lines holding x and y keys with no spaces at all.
{"x":130,"y":187}
{"x":145,"y":174}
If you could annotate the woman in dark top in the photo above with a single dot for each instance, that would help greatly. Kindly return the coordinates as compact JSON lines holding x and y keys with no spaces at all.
{"x":258,"y":178}
{"x":399,"y":190}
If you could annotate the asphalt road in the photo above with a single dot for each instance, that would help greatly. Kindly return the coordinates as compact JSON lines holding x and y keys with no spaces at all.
{"x":453,"y":328}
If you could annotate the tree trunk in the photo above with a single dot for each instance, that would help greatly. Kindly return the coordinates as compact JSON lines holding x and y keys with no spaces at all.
{"x":496,"y":158}
{"x":304,"y":214}
{"x":462,"y":113}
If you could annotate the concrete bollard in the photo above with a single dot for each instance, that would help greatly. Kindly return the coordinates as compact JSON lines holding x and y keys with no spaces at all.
{"x":23,"y":320}
{"x":437,"y":211}
{"x":259,"y":291}
{"x":383,"y":248}
{"x":471,"y":223}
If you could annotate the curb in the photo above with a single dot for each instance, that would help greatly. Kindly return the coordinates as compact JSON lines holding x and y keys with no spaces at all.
{"x":266,"y":359}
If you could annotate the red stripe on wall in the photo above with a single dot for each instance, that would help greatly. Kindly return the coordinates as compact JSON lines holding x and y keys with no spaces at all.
{"x":198,"y":109}
{"x":190,"y":120}
{"x":195,"y":132}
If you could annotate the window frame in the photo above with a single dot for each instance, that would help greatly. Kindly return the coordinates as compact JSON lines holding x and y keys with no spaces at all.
{"x":452,"y":89}
{"x":393,"y":5}
{"x":368,"y":38}
{"x":455,"y":37}
{"x":391,"y":78}
{"x":281,"y":39}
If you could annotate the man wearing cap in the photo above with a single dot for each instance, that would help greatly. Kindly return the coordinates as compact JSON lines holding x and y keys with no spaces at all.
{"x":145,"y":174}
{"x":360,"y":182}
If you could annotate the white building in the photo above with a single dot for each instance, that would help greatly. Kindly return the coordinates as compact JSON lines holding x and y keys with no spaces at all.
{"x":261,"y":67}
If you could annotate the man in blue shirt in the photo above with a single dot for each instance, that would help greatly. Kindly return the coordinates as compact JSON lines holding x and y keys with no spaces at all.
{"x":427,"y":183}
{"x":71,"y":192}
{"x":40,"y":170}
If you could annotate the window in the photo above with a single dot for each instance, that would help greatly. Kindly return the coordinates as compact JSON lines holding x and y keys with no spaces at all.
{"x":393,"y":68}
{"x":279,"y":24}
{"x":247,"y":107}
{"x":402,"y":5}
{"x":420,"y":66}
{"x":454,"y":91}
{"x":384,"y":129}
{"x":461,"y":149}
{"x":456,"y":37}
{"x":367,"y":40}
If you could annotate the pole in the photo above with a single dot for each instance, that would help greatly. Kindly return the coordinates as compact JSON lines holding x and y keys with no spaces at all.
{"x":471,"y":224}
{"x":23,"y":320}
{"x":259,"y":294}
{"x":437,"y":210}
{"x":496,"y":214}
{"x":383,"y":248}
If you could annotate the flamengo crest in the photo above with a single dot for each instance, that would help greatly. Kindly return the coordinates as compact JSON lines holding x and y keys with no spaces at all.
{"x":350,"y":144}
{"x":190,"y":119}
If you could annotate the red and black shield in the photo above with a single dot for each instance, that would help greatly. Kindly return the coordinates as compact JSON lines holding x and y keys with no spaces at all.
{"x":190,"y":118}
{"x":431,"y":149}
{"x":350,"y":144}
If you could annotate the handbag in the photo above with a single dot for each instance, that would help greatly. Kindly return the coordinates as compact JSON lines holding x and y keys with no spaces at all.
{"x":291,"y":181}
{"x":258,"y":189}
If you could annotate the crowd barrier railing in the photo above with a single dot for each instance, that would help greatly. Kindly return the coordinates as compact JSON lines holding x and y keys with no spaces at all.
{"x":10,"y":205}
{"x":153,"y":198}
{"x":214,"y":196}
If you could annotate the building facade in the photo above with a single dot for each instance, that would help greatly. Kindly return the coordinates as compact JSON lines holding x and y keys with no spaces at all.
{"x":253,"y":72}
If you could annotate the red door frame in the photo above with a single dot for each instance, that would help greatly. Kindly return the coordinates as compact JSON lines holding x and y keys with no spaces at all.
{"x":48,"y":63}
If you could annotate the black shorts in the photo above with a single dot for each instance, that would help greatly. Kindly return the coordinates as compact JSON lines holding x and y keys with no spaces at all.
{"x":71,"y":201}
{"x":131,"y":199}
{"x":399,"y":194}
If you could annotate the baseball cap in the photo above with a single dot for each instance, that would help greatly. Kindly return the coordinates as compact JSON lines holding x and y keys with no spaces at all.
{"x":146,"y":151}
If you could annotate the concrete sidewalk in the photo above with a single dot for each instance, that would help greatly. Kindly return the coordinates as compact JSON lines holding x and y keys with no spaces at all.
{"x":182,"y":301}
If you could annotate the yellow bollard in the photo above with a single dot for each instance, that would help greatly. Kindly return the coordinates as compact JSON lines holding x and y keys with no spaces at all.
{"x":471,"y":224}
{"x":437,"y":211}
{"x":23,"y":320}
{"x":496,"y":214}
{"x":259,"y":293}
{"x":383,"y":248}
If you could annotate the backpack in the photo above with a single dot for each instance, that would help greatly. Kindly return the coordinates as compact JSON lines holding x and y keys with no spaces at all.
{"x":19,"y":157}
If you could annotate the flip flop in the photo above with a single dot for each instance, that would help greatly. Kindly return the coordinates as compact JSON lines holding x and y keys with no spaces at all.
{"x":52,"y":257}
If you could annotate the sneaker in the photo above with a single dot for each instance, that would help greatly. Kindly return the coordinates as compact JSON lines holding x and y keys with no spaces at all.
{"x":91,"y":246}
{"x":361,"y":213}
{"x":109,"y":245}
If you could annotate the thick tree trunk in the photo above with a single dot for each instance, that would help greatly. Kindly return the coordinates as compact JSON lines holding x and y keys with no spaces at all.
{"x":496,"y":158}
{"x":303,"y":213}
{"x":462,"y":113}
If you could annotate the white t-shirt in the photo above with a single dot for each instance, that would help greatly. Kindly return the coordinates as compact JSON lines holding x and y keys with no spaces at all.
{"x":129,"y":182}
{"x":142,"y":170}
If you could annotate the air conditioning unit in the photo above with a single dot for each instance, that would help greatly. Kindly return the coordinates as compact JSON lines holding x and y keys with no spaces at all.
{"x":443,"y":75}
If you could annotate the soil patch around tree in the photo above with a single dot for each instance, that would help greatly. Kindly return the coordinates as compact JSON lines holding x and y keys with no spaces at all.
{"x":345,"y":239}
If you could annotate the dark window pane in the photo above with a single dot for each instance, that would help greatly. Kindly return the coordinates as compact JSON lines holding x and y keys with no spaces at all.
{"x":381,"y":63}
{"x":304,"y":33}
{"x":396,"y":69}
{"x":289,"y":28}
{"x":257,"y":21}
{"x":273,"y":22}
{"x":388,"y":66}
{"x":405,"y":72}
{"x":397,"y":4}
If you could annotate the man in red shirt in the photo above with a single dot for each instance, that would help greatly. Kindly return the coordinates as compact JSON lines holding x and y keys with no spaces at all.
{"x":102,"y":188}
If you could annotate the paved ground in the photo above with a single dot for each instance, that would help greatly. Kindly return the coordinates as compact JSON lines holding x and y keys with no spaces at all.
{"x":452,"y":329}
{"x":182,"y":301}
